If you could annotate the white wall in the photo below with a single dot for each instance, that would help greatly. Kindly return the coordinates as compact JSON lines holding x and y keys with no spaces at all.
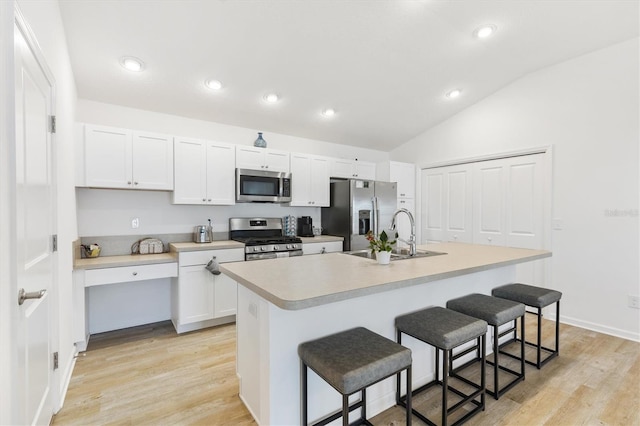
{"x":119,"y":116}
{"x":45,"y":20}
{"x":587,"y":108}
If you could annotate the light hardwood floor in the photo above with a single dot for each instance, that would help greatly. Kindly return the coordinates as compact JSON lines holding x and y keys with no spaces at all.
{"x":149,"y":375}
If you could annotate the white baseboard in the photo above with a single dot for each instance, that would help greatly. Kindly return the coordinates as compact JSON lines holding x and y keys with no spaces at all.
{"x":66,"y":380}
{"x":616,"y":332}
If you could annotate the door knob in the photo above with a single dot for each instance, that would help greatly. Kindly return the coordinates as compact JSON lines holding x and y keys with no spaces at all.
{"x":23,"y":295}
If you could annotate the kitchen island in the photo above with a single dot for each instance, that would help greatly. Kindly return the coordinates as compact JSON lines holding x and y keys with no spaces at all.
{"x":283,"y":302}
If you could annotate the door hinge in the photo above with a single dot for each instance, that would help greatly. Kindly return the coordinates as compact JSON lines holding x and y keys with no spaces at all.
{"x":52,"y":123}
{"x":54,"y":242}
{"x":55,"y":360}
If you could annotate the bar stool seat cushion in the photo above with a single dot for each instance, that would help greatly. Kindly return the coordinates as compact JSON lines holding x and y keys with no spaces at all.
{"x":538,"y":297}
{"x":493,"y":310}
{"x":354,"y":359}
{"x":441,"y":327}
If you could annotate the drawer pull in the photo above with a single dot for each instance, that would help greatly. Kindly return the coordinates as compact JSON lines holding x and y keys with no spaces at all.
{"x":135,"y":273}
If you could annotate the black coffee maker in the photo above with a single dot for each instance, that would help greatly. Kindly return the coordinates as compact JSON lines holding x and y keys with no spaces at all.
{"x":305,"y":226}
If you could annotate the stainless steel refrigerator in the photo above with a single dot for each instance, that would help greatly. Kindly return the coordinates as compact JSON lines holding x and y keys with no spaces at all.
{"x":356,"y":207}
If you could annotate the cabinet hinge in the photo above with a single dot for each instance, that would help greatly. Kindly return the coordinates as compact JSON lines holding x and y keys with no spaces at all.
{"x":52,"y":123}
{"x":55,"y":360}
{"x":54,"y":242}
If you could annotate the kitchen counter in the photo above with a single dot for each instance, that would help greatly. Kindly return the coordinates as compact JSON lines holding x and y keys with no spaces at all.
{"x":320,"y":239}
{"x":215,"y":245}
{"x":124,"y":260}
{"x":284,"y":302}
{"x":303,"y":282}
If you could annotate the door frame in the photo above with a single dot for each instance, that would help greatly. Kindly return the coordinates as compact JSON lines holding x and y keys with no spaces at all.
{"x":8,"y":308}
{"x":10,"y":18}
{"x":547,"y":198}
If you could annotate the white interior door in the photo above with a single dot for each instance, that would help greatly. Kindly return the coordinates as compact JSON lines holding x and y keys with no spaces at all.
{"x":448,"y":203}
{"x":34,"y":228}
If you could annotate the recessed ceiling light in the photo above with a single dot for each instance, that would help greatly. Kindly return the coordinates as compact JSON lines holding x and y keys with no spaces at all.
{"x":453,"y":93}
{"x":485,"y":31}
{"x":213,"y":84}
{"x":271,"y":98}
{"x":329,"y":112}
{"x":131,"y":63}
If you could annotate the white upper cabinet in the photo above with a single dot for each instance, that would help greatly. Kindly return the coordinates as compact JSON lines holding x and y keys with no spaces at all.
{"x":121,"y":158}
{"x":402,"y":173}
{"x":352,"y":169}
{"x":405,"y":175}
{"x":309,"y":180}
{"x":249,"y":157}
{"x":152,"y":161}
{"x":204,"y":172}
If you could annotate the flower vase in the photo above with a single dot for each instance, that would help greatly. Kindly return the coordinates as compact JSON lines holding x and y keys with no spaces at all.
{"x":260,"y":142}
{"x":383,"y":257}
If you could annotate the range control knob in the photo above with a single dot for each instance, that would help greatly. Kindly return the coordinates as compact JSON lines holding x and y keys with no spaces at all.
{"x":263,"y":248}
{"x":275,"y":247}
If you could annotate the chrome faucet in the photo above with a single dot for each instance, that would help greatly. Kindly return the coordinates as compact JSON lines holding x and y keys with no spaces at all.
{"x":412,"y":237}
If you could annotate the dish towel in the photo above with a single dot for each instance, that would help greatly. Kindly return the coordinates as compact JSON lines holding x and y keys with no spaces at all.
{"x":213,"y":266}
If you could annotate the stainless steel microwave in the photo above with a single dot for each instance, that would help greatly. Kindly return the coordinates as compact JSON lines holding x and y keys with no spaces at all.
{"x":261,"y":186}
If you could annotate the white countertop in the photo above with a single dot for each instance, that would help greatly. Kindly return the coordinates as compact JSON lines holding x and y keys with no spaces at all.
{"x":307,"y":281}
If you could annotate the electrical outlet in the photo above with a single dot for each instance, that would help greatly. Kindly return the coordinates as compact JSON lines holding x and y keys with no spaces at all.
{"x":634,"y":301}
{"x":135,"y":223}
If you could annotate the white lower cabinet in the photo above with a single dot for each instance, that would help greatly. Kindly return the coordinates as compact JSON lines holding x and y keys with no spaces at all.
{"x":321,"y":248}
{"x":199,"y":298}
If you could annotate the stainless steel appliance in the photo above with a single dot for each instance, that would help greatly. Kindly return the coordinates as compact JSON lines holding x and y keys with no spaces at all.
{"x":263,"y":238}
{"x":201,"y":234}
{"x":358,"y":206}
{"x":262,"y":186}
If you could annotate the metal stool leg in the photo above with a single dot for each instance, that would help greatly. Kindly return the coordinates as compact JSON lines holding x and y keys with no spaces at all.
{"x":303,"y":384}
{"x":345,"y":410}
{"x":445,"y":384}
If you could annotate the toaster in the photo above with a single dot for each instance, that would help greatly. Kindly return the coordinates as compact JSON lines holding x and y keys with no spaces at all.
{"x":147,"y":246}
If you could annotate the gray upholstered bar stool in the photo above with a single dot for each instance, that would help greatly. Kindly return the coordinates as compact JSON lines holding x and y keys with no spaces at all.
{"x":495,"y":312}
{"x":351,"y":361}
{"x":536,"y":297}
{"x":445,"y":330}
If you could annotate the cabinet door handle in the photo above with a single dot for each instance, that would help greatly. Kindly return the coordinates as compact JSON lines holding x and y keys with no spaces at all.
{"x":135,"y":273}
{"x":128,"y":182}
{"x":135,"y":183}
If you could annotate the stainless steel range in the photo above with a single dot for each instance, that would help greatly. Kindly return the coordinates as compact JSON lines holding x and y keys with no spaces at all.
{"x":263,"y":238}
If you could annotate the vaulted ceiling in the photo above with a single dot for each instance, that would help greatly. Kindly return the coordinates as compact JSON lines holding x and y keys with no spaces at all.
{"x":383,"y":66}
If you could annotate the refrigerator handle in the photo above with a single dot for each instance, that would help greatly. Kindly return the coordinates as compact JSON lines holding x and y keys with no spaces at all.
{"x":374,"y":215}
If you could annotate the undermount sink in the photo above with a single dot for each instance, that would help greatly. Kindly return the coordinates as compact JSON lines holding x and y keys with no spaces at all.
{"x":397,"y":254}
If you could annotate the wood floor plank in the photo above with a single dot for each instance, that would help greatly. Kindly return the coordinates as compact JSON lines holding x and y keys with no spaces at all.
{"x":149,"y":375}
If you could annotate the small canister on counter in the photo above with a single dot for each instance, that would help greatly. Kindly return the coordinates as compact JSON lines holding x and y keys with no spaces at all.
{"x":289,"y":226}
